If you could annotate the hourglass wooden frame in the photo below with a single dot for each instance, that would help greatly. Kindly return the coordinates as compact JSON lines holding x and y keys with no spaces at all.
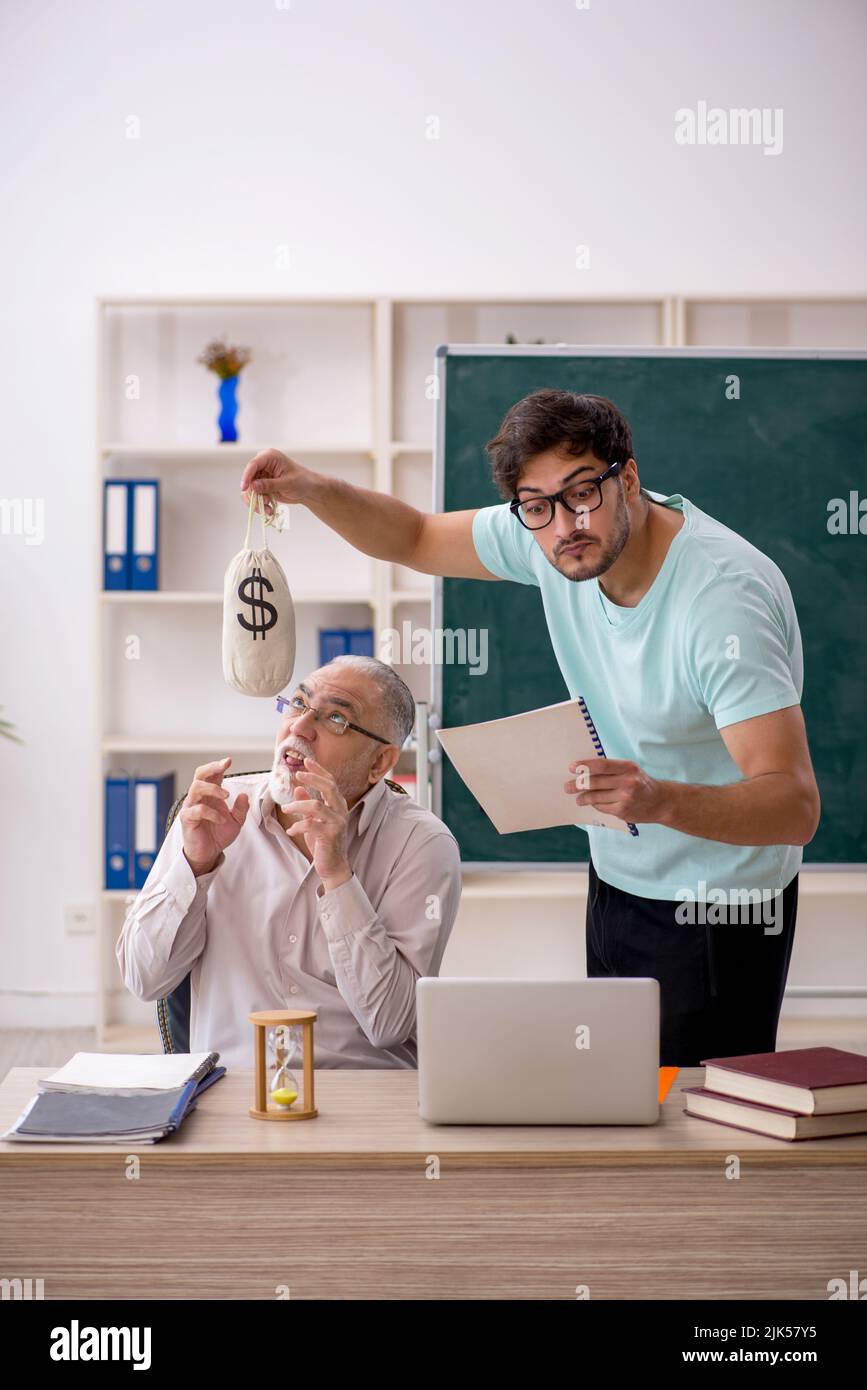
{"x":282,"y":1018}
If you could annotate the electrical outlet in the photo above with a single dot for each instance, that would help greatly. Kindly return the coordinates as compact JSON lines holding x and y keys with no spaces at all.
{"x":79,"y":919}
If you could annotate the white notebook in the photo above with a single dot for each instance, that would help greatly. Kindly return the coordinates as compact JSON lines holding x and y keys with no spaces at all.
{"x":126,"y":1073}
{"x":516,"y":767}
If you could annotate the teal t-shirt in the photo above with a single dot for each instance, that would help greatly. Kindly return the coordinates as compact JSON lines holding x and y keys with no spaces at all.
{"x":714,"y":640}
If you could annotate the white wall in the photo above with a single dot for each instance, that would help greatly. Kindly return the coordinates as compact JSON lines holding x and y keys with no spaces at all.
{"x":306,"y":126}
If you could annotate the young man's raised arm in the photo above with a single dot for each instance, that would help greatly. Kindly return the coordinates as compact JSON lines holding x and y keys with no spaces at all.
{"x":375,"y":523}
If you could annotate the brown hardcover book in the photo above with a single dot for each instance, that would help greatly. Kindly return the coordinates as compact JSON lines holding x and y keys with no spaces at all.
{"x":767,"y":1119}
{"x":806,"y":1080}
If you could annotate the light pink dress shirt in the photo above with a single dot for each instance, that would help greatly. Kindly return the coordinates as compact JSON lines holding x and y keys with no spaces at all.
{"x":260,"y":932}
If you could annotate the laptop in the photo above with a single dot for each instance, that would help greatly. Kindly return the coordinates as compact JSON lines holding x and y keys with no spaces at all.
{"x":538,"y":1052}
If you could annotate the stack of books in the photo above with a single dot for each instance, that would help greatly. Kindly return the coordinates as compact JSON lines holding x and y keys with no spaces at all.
{"x":808,"y":1093}
{"x":115,"y":1098}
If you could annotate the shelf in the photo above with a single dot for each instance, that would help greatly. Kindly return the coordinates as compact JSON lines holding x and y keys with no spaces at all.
{"x":232,"y":451}
{"x":159,"y":596}
{"x":236,"y":301}
{"x":412,"y":595}
{"x":397,"y":447}
{"x":193,"y":743}
{"x":119,"y":895}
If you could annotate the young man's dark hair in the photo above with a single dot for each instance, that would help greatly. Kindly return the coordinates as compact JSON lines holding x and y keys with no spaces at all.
{"x":550,"y":419}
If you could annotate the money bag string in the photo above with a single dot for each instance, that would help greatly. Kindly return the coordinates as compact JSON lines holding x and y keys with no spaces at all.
{"x":263,"y":614}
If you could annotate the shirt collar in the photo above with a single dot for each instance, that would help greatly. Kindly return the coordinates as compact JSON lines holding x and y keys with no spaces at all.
{"x":365,"y":807}
{"x":369,"y":803}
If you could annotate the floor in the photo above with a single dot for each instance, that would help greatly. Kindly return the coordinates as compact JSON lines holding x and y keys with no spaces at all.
{"x":36,"y":1047}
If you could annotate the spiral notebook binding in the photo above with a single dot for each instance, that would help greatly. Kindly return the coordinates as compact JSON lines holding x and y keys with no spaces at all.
{"x":597,"y":744}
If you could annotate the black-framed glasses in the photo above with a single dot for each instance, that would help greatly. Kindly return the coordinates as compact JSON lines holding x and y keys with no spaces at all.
{"x":334,"y":721}
{"x":585,"y":495}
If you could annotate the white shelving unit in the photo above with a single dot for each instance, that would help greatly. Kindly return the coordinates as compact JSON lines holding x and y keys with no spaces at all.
{"x":342,"y":384}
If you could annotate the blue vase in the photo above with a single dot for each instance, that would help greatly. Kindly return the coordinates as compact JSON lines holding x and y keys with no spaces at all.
{"x":228,"y":410}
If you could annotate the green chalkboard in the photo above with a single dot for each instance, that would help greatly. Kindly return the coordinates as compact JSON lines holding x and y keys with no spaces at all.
{"x":767,"y":464}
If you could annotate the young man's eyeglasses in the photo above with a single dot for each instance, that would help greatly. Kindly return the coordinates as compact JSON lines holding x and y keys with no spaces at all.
{"x":585,"y":495}
{"x":334,"y":721}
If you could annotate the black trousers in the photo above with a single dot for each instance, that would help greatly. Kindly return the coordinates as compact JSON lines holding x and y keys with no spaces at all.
{"x":721,"y":985}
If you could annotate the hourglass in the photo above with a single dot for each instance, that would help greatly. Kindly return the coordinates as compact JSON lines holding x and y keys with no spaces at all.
{"x":283,"y":1040}
{"x":282,"y":1048}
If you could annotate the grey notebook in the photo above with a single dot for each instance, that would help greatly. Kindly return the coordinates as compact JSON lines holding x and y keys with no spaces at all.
{"x":69,"y":1117}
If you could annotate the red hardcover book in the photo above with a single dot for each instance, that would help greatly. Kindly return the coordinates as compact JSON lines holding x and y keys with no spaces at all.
{"x":768,"y":1119}
{"x":806,"y":1080}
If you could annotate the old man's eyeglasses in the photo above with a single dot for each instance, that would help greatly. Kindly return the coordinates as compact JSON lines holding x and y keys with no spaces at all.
{"x":333,"y":720}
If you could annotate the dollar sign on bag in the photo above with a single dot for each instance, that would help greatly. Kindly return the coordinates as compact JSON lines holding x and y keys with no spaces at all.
{"x":262,"y":621}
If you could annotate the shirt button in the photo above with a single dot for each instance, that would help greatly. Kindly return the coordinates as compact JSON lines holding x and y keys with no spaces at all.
{"x":293,"y":989}
{"x":325,"y":914}
{"x":293,"y":938}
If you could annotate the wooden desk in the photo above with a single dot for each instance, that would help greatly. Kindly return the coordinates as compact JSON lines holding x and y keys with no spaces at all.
{"x":342,"y":1207}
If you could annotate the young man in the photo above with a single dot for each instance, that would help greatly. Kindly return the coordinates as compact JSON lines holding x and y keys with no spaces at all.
{"x":312,"y":886}
{"x":683,"y":639}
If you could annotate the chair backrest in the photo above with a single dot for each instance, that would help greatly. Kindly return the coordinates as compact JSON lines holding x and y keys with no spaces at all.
{"x":173,"y":1010}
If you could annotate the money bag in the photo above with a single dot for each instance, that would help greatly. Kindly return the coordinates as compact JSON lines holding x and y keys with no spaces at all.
{"x":258,"y":619}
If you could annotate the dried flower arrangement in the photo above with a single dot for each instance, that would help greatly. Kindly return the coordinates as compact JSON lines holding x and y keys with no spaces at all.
{"x":225,"y":361}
